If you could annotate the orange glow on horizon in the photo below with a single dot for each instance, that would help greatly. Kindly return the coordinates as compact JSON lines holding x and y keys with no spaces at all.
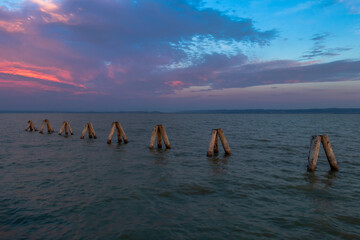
{"x":53,"y":74}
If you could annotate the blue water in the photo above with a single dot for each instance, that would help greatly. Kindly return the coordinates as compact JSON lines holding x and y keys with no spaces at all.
{"x":62,"y":187}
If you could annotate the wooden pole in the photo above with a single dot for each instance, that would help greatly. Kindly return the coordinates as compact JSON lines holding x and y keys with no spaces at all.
{"x":216,"y":145}
{"x":153,"y":136}
{"x":89,"y":131}
{"x":111,"y":132}
{"x":33,"y":125}
{"x":66,"y":129}
{"x":313,"y":153}
{"x":122,"y":132}
{"x":164,"y":136}
{"x":212,"y":143}
{"x":48,"y":126}
{"x":329,"y":152}
{"x":50,"y":129}
{"x":28,"y":126}
{"x":224,"y":142}
{"x":158,"y":136}
{"x":84,"y":131}
{"x":62,"y":128}
{"x":92,"y":130}
{"x":71,"y":131}
{"x":118,"y":133}
{"x":42,"y":126}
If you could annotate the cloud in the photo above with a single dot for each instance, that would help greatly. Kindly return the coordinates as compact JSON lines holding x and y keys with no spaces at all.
{"x":200,"y":46}
{"x":15,"y":26}
{"x":291,"y":72}
{"x":138,"y":50}
{"x":320,"y":37}
{"x":320,"y":50}
{"x":175,"y":83}
{"x":237,"y":73}
{"x":105,"y":44}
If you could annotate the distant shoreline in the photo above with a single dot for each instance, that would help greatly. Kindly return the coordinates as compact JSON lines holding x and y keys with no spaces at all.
{"x":220,"y":111}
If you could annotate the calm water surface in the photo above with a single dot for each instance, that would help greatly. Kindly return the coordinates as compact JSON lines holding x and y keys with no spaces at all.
{"x":62,"y":187}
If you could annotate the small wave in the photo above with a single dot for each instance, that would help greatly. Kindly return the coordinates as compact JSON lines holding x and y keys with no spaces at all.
{"x":194,"y":189}
{"x":348,"y":219}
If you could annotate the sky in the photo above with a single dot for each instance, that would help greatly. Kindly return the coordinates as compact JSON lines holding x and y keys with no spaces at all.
{"x":157,"y":55}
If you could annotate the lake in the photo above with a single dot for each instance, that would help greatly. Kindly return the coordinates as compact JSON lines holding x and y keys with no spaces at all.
{"x":63,"y":187}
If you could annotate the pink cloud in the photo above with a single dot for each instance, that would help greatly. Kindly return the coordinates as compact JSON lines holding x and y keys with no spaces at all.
{"x":52,"y":74}
{"x":175,"y":83}
{"x":15,"y":26}
{"x":52,"y":12}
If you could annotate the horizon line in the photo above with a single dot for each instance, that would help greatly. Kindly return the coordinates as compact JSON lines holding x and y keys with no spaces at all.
{"x":248,"y":110}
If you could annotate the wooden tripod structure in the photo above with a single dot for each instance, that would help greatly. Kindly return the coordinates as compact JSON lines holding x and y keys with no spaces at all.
{"x":31,"y":126}
{"x":314,"y":152}
{"x":159,"y":132}
{"x":88,"y":127}
{"x":66,"y":126}
{"x":120,"y":133}
{"x":49,"y":127}
{"x":214,"y":143}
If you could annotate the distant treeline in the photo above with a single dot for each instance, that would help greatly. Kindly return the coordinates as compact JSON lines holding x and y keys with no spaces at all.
{"x":281,"y":111}
{"x":223,"y":111}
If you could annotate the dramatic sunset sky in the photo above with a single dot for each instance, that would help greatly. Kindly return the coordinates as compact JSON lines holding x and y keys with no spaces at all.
{"x":122,"y":55}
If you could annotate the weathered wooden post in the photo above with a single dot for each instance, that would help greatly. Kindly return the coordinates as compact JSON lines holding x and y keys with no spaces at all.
{"x":88,"y":127}
{"x":42,"y":126}
{"x":71,"y":131}
{"x":314,"y":152}
{"x":159,"y":132}
{"x":92,"y":130}
{"x":214,"y":143}
{"x":120,"y":133}
{"x":158,"y":137}
{"x":62,"y":128}
{"x":84,"y":131}
{"x":89,"y":131}
{"x":50,"y":129}
{"x":153,"y":137}
{"x":224,"y":142}
{"x":111,"y":133}
{"x":31,"y":126}
{"x":164,"y":136}
{"x":47,"y":122}
{"x":329,"y":152}
{"x":66,"y":129}
{"x":66,"y":126}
